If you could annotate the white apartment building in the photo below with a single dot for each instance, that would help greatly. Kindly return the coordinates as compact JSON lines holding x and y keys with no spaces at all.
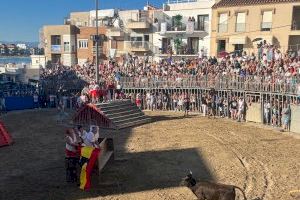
{"x":22,"y":46}
{"x":183,"y":28}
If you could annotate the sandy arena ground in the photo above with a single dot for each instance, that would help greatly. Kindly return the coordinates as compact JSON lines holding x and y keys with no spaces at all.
{"x":150,"y":160}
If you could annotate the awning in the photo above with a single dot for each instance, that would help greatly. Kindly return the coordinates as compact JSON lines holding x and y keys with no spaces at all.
{"x":268,"y":38}
{"x":237,"y":40}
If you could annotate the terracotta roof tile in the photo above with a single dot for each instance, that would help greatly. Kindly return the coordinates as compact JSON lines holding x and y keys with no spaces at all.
{"x":231,"y":3}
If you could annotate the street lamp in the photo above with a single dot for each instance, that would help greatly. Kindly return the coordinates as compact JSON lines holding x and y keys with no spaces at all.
{"x":97,"y":43}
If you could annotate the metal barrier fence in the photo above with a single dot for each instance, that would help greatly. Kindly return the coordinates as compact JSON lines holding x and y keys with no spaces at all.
{"x":248,"y":83}
{"x":267,"y":108}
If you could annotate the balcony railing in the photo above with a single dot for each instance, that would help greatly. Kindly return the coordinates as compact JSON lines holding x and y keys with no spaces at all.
{"x":100,"y":49}
{"x":137,"y":45}
{"x":56,"y":48}
{"x":139,"y":20}
{"x":240,"y":27}
{"x":296,"y":26}
{"x":249,"y":83}
{"x":266,"y":26}
{"x":183,"y":27}
{"x":222,"y":28}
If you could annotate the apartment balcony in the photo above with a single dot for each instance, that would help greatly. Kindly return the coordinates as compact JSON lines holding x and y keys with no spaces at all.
{"x":138,"y":24}
{"x":240,"y":27}
{"x":295,"y":21}
{"x":137,"y":46}
{"x":222,"y":28}
{"x":190,"y":29}
{"x":56,"y":49}
{"x":115,"y":32}
{"x":295,"y":29}
{"x":100,"y":50}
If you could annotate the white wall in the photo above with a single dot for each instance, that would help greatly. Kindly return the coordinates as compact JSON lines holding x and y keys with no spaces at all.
{"x":38,"y":61}
{"x":187,"y":10}
{"x":69,"y":59}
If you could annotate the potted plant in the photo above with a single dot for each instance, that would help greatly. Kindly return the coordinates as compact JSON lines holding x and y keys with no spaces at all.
{"x":177,"y":44}
{"x":177,"y":21}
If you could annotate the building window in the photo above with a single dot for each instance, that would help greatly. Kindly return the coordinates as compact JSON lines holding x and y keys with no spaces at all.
{"x":203,"y":21}
{"x":266,"y":24}
{"x":82,"y":44}
{"x":240,"y":25}
{"x":221,"y":46}
{"x":223,"y":21}
{"x":114,"y":44}
{"x":238,"y":49}
{"x":55,"y":40}
{"x":66,"y":46}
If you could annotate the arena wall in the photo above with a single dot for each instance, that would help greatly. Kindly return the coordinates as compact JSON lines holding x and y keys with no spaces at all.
{"x":295,"y":119}
{"x":254,"y":113}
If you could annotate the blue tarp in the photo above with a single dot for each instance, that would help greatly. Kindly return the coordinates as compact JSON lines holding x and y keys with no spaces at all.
{"x":19,"y":103}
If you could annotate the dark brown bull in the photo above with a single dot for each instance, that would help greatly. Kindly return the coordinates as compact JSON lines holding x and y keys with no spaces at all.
{"x":211,"y":191}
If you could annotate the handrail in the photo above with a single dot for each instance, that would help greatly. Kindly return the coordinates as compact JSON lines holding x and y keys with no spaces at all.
{"x":206,"y":82}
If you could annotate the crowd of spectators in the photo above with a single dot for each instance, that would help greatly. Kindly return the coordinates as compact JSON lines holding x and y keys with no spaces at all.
{"x":269,"y":66}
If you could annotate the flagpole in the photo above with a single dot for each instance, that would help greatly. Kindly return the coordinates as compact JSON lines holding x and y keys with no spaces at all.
{"x":97,"y":43}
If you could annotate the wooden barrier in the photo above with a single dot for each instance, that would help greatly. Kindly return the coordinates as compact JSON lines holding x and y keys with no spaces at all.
{"x":254,"y":113}
{"x":295,"y":119}
{"x":106,"y":153}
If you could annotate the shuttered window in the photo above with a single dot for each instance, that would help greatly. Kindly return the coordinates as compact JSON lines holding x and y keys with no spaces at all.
{"x":241,"y":18}
{"x":240,"y":22}
{"x":223,"y":18}
{"x":266,"y":24}
{"x":267,"y":16}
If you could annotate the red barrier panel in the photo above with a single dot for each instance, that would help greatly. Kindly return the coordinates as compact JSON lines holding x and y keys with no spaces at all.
{"x":5,"y":138}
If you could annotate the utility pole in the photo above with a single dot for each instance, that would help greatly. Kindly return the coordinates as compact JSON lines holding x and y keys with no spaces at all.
{"x":97,"y":43}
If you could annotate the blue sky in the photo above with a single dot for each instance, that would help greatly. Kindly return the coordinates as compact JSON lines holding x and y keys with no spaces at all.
{"x":22,"y":19}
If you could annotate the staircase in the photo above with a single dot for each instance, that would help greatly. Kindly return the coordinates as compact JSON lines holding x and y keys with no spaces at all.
{"x":123,"y":114}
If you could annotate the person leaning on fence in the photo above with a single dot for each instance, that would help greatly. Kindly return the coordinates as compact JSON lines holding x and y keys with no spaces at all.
{"x":204,"y":105}
{"x":242,"y":107}
{"x":138,"y":101}
{"x":233,"y":108}
{"x":286,"y":116}
{"x":267,"y":112}
{"x":148,"y":100}
{"x":275,"y":114}
{"x":165,"y":101}
{"x":186,"y":104}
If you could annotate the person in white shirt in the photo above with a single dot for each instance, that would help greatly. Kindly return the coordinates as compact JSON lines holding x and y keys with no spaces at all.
{"x":91,"y":138}
{"x":36,"y":100}
{"x":241,"y":109}
{"x":267,"y":111}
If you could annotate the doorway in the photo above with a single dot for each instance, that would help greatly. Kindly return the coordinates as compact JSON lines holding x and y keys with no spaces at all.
{"x":221,"y":45}
{"x":166,"y":43}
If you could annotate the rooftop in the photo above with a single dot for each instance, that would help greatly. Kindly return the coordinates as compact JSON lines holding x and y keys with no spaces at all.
{"x":229,"y":3}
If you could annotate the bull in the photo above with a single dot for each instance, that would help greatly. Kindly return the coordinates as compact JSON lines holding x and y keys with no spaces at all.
{"x":211,"y":191}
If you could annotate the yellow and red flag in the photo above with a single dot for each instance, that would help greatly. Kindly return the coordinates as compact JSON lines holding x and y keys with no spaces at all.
{"x":88,"y":157}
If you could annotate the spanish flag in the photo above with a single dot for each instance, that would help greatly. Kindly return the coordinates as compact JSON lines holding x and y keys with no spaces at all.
{"x":88,"y":157}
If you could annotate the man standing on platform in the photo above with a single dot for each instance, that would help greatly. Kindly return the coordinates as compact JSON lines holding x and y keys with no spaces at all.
{"x":72,"y":155}
{"x":92,"y":137}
